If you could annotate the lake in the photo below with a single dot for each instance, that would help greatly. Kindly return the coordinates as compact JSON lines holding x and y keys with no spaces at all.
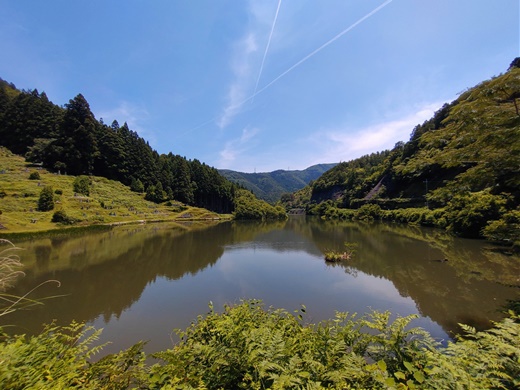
{"x":140,"y":282}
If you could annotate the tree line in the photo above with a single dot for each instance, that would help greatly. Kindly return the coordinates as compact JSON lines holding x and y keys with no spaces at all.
{"x":70,"y":140}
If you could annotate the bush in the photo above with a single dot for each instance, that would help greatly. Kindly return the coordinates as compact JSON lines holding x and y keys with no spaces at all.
{"x":368,"y":212}
{"x":34,"y":175}
{"x":58,"y":192}
{"x":505,"y":230}
{"x":46,"y":200}
{"x":137,"y":185}
{"x":60,"y":358}
{"x":81,"y":185}
{"x":468,"y":214}
{"x":61,"y":217}
{"x":247,"y":206}
{"x":250,"y":347}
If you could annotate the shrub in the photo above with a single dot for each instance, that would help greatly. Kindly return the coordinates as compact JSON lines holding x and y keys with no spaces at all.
{"x":369,"y":212}
{"x":34,"y":175}
{"x":505,"y":230}
{"x":250,"y":347}
{"x":60,"y":358}
{"x":137,"y":185}
{"x":58,"y":192}
{"x":81,"y":185}
{"x":61,"y":217}
{"x":46,"y":200}
{"x":468,"y":214}
{"x":247,"y":206}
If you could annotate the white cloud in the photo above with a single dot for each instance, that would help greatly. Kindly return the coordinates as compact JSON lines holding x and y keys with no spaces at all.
{"x":246,"y":61}
{"x":241,"y":85}
{"x":237,"y":147}
{"x":345,"y":143}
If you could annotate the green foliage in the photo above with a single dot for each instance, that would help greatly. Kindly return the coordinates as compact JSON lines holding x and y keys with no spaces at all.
{"x":486,"y":360}
{"x":59,"y":358}
{"x":270,"y":186}
{"x":506,"y":229}
{"x":46,"y":200}
{"x":81,"y":185}
{"x":61,"y":217}
{"x":34,"y":175}
{"x":470,"y":213}
{"x":462,"y":164}
{"x":247,"y":206}
{"x":248,"y":346}
{"x":137,"y":185}
{"x":347,"y":254}
{"x":368,"y":212}
{"x":155,"y":193}
{"x":70,"y":140}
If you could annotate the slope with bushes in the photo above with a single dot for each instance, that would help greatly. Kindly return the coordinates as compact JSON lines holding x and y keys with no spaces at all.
{"x":33,"y":199}
{"x":460,"y":170}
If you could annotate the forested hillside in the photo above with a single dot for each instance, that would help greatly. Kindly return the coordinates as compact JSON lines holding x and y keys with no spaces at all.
{"x":270,"y":186}
{"x":460,"y":170}
{"x":71,"y":140}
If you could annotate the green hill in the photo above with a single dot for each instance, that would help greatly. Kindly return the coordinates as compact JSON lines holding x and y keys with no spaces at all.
{"x":270,"y":186}
{"x":71,"y":140}
{"x":460,"y":170}
{"x":108,"y":201}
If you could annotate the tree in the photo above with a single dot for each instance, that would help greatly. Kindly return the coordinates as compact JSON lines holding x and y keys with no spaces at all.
{"x":137,"y":185}
{"x":81,"y":185}
{"x":46,"y":200}
{"x":78,"y":136}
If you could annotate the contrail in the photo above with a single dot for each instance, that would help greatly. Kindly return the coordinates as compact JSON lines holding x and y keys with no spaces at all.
{"x":267,"y":48}
{"x":322,"y":47}
{"x":357,"y":23}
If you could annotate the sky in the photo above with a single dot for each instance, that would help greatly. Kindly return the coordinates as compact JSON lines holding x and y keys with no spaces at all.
{"x":259,"y":85}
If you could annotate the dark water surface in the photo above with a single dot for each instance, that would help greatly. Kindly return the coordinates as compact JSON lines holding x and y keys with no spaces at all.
{"x":141,"y":282}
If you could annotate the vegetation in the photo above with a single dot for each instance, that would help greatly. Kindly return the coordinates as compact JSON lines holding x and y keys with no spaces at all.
{"x":108,"y":202}
{"x":270,"y":186}
{"x":71,"y":140}
{"x":46,"y":200}
{"x":249,"y":207}
{"x":335,"y":256}
{"x":248,"y":346}
{"x":458,"y":171}
{"x":81,"y":185}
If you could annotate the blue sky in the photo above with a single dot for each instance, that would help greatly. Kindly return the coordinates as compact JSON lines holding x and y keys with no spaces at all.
{"x":259,"y":85}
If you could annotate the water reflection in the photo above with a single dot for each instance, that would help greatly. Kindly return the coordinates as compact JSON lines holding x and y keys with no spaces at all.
{"x":141,"y":281}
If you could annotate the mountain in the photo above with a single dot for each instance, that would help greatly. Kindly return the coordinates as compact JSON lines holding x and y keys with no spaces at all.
{"x":270,"y":186}
{"x":460,"y":170}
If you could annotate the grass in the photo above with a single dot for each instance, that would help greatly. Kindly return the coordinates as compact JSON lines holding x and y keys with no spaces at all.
{"x":337,"y":256}
{"x":109,"y":202}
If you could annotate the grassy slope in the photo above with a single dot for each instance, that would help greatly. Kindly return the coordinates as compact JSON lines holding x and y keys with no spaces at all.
{"x":19,"y":206}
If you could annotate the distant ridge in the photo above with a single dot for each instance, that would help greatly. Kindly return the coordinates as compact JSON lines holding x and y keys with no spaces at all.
{"x":270,"y":186}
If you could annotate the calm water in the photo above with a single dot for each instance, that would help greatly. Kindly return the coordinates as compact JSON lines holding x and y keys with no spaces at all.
{"x":141,"y":282}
